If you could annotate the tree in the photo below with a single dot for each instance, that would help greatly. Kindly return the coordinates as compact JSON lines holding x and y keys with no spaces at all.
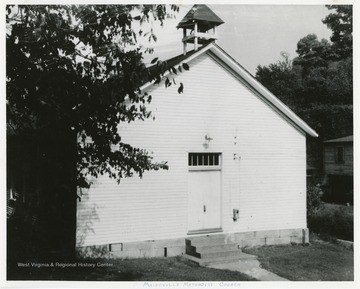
{"x":341,"y":24}
{"x":312,"y":52}
{"x":281,"y":79}
{"x":339,"y":81}
{"x":75,"y":69}
{"x":73,"y":74}
{"x":317,"y":84}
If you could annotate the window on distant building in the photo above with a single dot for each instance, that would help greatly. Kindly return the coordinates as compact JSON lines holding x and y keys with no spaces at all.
{"x":339,"y":154}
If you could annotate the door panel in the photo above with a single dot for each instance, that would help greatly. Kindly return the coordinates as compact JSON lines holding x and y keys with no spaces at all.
{"x":204,"y":200}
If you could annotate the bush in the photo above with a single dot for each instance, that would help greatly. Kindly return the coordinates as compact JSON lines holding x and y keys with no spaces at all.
{"x":313,"y":200}
{"x":333,"y":221}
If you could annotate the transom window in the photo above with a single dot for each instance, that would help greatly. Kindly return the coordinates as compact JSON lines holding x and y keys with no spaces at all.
{"x":202,"y":160}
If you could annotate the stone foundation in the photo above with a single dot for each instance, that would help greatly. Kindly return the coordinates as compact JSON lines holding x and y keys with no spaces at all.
{"x":273,"y":237}
{"x":176,"y":247}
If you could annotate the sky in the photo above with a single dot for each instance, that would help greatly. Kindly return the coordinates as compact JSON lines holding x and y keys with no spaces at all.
{"x":252,"y":34}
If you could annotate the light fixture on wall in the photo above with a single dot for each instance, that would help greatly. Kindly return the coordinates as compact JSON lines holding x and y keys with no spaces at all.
{"x":207,"y":141}
{"x":208,"y":138}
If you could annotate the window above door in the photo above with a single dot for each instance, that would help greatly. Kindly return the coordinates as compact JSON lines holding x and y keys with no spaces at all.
{"x":204,"y":161}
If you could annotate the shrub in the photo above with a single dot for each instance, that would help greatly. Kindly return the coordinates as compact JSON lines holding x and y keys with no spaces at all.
{"x":333,"y":221}
{"x":313,"y":200}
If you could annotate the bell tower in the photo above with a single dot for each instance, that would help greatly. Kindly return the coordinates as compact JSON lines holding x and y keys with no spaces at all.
{"x":202,"y":23}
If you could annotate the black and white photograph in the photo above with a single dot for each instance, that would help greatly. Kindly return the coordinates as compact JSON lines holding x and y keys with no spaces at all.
{"x":179,"y":145}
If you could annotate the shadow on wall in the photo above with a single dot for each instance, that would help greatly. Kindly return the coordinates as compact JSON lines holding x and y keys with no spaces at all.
{"x":85,"y":228}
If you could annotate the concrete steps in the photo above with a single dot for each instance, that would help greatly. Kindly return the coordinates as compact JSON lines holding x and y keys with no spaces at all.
{"x":214,"y":249}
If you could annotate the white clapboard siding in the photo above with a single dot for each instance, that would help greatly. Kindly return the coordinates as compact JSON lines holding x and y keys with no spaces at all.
{"x":265,"y":179}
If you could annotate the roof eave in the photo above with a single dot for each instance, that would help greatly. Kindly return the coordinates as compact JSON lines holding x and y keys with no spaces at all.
{"x":255,"y":84}
{"x":347,"y":139}
{"x":187,"y":59}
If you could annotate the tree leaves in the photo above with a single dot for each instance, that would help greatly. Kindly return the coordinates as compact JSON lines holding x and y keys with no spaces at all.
{"x":341,"y":24}
{"x":73,"y":73}
{"x":167,"y":82}
{"x":185,"y":66}
{"x":172,"y":69}
{"x":154,"y":60}
{"x":317,"y":84}
{"x":181,"y":88}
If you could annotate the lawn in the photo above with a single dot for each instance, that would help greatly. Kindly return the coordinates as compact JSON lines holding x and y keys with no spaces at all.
{"x":28,"y":251}
{"x":154,"y":269}
{"x":320,"y":261}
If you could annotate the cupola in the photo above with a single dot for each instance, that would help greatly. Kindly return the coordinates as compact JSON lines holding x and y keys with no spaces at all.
{"x":202,"y":23}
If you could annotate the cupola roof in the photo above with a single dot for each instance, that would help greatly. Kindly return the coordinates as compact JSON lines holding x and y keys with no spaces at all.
{"x":201,"y":14}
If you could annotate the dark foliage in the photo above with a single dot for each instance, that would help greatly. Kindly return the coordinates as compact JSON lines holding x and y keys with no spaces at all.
{"x":334,"y":223}
{"x":76,"y":69}
{"x":318,"y":83}
{"x":73,"y":74}
{"x":313,"y":200}
{"x":341,"y":24}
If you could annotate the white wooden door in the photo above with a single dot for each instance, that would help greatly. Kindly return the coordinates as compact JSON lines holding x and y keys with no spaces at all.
{"x":204,"y":200}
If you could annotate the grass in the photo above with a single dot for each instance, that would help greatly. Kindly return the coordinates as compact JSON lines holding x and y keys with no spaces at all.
{"x":320,"y":261}
{"x":154,"y":269}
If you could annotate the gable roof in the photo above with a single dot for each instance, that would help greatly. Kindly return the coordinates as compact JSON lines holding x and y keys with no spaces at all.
{"x":250,"y":80}
{"x":203,"y":15}
{"x":341,"y":139}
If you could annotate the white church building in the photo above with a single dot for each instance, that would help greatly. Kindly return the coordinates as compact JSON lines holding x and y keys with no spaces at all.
{"x":236,"y":157}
